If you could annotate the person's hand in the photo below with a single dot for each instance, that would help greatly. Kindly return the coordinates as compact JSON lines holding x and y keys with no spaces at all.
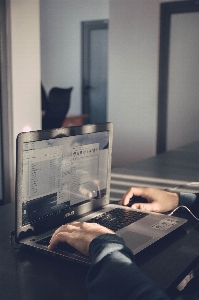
{"x":78,"y":235}
{"x":158,"y":200}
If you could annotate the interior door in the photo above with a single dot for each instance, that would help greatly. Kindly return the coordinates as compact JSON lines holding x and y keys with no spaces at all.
{"x":178,"y":75}
{"x":183,"y":81}
{"x":94,"y":70}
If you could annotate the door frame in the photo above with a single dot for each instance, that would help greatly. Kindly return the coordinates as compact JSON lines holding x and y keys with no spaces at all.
{"x":167,"y":9}
{"x":86,"y":28}
{"x":8,"y":170}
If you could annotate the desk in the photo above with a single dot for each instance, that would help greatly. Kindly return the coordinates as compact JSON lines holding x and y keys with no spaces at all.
{"x":176,"y":170}
{"x":75,"y":120}
{"x":30,"y":275}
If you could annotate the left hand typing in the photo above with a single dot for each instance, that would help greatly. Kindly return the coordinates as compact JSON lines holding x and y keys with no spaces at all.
{"x":78,"y":235}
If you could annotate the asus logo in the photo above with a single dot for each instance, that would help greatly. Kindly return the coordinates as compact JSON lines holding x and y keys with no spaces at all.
{"x":69,"y":214}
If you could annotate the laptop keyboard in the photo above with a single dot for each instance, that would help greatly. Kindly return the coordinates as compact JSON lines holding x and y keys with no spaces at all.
{"x":114,"y":219}
{"x":118,"y":218}
{"x":61,"y":246}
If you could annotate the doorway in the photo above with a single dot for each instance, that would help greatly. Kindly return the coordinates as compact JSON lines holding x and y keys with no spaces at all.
{"x":178,"y":75}
{"x":94,"y":70}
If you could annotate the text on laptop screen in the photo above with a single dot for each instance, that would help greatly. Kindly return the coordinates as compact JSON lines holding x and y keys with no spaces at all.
{"x":63,"y":172}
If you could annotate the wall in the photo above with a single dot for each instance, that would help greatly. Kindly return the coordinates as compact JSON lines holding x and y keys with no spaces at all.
{"x":183,"y":86}
{"x":133,"y":65}
{"x":24,"y":78}
{"x":25,"y":66}
{"x":133,"y":78}
{"x":60,"y":24}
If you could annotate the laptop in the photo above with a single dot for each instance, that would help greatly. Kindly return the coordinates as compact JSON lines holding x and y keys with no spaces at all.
{"x":63,"y":175}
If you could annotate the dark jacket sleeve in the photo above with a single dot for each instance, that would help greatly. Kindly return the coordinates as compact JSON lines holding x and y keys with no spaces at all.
{"x":114,"y":275}
{"x":191,"y":201}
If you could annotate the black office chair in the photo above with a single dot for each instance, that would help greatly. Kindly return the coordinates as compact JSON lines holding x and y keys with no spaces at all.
{"x":44,"y":99}
{"x":57,"y":107}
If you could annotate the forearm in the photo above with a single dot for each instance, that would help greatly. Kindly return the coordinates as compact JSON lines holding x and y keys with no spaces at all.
{"x":114,"y":275}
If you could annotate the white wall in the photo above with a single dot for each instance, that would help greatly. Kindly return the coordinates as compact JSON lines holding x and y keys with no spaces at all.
{"x":25,"y":65}
{"x":132,"y":71}
{"x":133,"y":78}
{"x":61,"y":42}
{"x":183,"y":85}
{"x":24,"y":72}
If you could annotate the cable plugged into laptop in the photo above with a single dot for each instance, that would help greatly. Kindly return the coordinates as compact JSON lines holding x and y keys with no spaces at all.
{"x":13,"y":243}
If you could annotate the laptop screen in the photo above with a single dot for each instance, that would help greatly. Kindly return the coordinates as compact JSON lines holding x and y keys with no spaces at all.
{"x":56,"y":175}
{"x":63,"y":172}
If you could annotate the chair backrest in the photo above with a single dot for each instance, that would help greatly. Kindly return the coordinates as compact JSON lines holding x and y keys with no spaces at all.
{"x":57,"y":108}
{"x":44,"y":100}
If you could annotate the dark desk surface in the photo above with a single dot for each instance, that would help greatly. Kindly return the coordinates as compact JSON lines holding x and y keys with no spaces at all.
{"x":176,"y":170}
{"x":31,"y":275}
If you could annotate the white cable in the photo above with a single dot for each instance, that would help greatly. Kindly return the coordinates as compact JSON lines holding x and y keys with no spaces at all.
{"x":182,"y":206}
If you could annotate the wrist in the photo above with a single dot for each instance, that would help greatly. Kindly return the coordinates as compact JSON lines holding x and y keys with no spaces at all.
{"x":175,"y":199}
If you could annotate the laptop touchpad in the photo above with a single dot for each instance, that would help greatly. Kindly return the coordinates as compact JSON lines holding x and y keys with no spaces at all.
{"x":134,"y":239}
